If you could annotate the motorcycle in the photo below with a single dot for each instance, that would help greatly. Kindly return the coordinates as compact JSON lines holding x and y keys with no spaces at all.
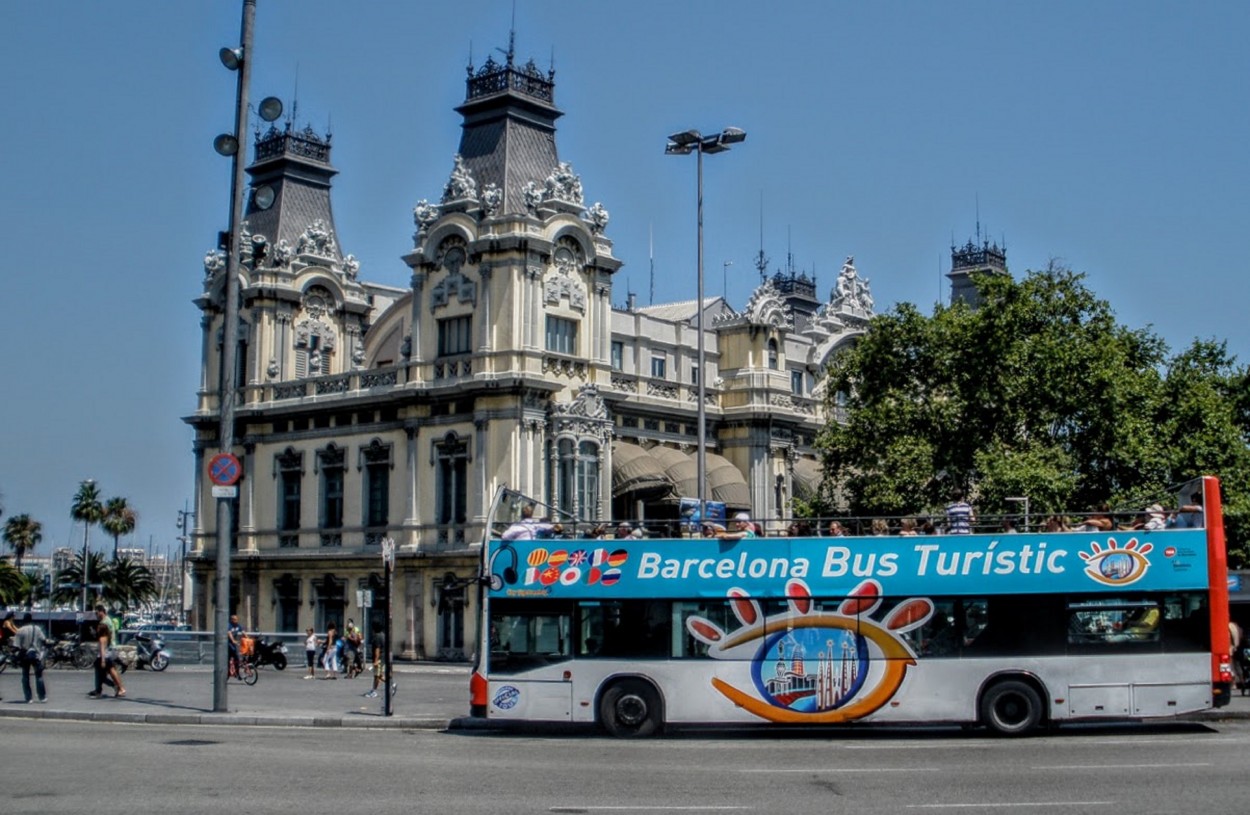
{"x":150,"y":652}
{"x":270,"y":653}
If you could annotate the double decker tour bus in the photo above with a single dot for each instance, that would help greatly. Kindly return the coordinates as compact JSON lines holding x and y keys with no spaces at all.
{"x":1008,"y":631}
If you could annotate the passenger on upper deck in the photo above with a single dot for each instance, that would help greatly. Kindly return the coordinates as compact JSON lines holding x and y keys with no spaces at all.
{"x":959,"y":515}
{"x":528,"y":529}
{"x":1189,"y":516}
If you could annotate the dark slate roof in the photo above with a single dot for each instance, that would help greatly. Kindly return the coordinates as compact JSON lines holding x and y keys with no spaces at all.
{"x":509,"y":138}
{"x":302,"y":192}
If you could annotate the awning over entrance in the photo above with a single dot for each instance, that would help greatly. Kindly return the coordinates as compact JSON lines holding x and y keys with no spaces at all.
{"x":807,"y":476}
{"x":726,"y":484}
{"x":680,"y":468}
{"x":634,"y":470}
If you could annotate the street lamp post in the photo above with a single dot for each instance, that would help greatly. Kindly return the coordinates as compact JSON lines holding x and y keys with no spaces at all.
{"x":239,"y":60}
{"x":184,"y":518}
{"x":1022,"y":499}
{"x":681,"y":144}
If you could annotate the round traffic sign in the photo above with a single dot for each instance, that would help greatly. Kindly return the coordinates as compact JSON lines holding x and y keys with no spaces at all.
{"x":224,"y":469}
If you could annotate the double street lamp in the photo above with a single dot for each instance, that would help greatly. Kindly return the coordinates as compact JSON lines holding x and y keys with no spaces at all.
{"x":239,"y":60}
{"x":683,"y":144}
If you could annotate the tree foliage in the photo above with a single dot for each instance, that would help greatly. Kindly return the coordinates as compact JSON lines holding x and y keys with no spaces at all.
{"x":125,"y":583}
{"x":22,"y":533}
{"x":118,"y":519}
{"x":1040,"y":392}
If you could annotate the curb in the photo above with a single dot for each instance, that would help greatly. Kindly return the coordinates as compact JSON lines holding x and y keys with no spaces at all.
{"x":238,"y":719}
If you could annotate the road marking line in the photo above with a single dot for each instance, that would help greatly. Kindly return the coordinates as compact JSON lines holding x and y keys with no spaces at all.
{"x":1015,"y":804}
{"x":645,"y":808}
{"x":845,"y":770}
{"x":1117,"y":766}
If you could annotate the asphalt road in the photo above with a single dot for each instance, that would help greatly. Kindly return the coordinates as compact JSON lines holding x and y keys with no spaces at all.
{"x":75,"y":767}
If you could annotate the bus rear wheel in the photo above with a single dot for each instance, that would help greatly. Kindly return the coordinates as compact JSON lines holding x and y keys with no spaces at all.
{"x":630,"y":709}
{"x":1011,"y":708}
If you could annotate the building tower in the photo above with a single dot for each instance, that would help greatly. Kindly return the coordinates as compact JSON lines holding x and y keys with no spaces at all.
{"x":974,"y":258}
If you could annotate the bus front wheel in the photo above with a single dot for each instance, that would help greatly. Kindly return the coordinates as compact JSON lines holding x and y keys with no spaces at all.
{"x":1011,"y":708}
{"x":630,"y":709}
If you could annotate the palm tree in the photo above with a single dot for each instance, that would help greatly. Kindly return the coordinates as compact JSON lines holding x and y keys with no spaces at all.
{"x":12,"y":585}
{"x":88,"y":509}
{"x":65,"y":587}
{"x":22,"y":533}
{"x":128,"y":583}
{"x":119,"y":519}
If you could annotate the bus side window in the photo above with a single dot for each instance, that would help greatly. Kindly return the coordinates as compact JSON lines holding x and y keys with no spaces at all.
{"x":974,"y":620}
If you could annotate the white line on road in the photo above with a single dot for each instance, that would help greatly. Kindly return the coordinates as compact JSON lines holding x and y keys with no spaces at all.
{"x":645,"y":808}
{"x":1101,"y":767}
{"x":842,"y":770}
{"x":1015,"y":804}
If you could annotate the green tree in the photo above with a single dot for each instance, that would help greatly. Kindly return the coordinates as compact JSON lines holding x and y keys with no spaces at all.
{"x":119,"y":519}
{"x":128,"y":584}
{"x":66,"y":588}
{"x":1037,"y":392}
{"x":88,"y":510}
{"x":12,"y":585}
{"x":22,"y":533}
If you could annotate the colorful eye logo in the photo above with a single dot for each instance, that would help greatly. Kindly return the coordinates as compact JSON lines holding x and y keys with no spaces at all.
{"x":815,"y":667}
{"x":1117,"y":565}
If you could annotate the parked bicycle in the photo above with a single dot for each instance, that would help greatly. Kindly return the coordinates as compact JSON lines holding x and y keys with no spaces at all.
{"x":71,"y":651}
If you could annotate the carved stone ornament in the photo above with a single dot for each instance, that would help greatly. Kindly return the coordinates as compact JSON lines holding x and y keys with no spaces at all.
{"x":351,"y":267}
{"x":214,"y":261}
{"x":492,"y":199}
{"x":455,"y":284}
{"x":272,"y":370}
{"x":317,"y":302}
{"x":598,"y":217}
{"x":533,"y":196}
{"x":305,"y":330}
{"x":405,"y":347}
{"x":588,"y":404}
{"x":563,"y":184}
{"x":317,"y":240}
{"x":766,"y":307}
{"x":460,"y":186}
{"x":424,"y":214}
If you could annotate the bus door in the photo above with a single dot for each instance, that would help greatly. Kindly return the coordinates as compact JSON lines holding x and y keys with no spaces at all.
{"x":530,"y":652}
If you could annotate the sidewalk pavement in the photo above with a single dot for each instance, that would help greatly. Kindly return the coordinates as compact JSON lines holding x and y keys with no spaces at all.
{"x":429,"y":696}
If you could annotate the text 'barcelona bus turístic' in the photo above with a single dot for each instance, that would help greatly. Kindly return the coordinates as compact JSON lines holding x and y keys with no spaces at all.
{"x":1007,"y":631}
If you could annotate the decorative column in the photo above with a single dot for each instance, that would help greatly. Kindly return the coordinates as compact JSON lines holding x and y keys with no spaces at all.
{"x":479,"y":455}
{"x":197,"y":529}
{"x":410,"y":519}
{"x":486,"y":319}
{"x":418,"y":285}
{"x":247,"y":497}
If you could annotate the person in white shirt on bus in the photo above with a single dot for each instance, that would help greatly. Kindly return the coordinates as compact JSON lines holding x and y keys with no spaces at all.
{"x":527,"y":528}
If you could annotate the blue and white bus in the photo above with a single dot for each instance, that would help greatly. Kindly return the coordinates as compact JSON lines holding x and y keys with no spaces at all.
{"x":1007,"y":631}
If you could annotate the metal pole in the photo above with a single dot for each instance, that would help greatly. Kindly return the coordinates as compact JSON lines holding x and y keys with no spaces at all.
{"x":230,"y":339}
{"x":702,"y":408}
{"x":388,"y":571}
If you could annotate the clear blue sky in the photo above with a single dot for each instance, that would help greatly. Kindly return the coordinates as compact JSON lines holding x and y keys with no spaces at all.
{"x":1112,"y":135}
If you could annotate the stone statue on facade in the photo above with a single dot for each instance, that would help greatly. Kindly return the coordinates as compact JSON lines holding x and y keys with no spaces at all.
{"x":598,"y":217}
{"x":317,"y":240}
{"x":492,"y":199}
{"x":460,"y":186}
{"x":351,"y":267}
{"x":563,"y":184}
{"x":851,"y":289}
{"x":214,"y":261}
{"x":424,"y":214}
{"x":533,"y":197}
{"x":282,"y":253}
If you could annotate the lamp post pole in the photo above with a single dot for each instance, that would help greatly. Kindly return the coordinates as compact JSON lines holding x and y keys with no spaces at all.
{"x":680,"y":144}
{"x":230,"y":337}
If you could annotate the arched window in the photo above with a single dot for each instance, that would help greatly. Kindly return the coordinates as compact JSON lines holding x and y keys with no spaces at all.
{"x":772,"y":355}
{"x":577,"y":474}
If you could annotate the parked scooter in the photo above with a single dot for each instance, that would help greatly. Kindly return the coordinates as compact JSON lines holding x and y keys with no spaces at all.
{"x":270,"y":653}
{"x":150,"y":652}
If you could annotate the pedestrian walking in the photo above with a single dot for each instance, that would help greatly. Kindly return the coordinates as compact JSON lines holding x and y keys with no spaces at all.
{"x":331,"y":659}
{"x":106,"y":662}
{"x":310,"y":653}
{"x":31,"y":644}
{"x":379,"y":666}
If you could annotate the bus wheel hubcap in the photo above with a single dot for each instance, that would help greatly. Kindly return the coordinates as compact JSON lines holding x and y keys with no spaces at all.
{"x":631,"y":710}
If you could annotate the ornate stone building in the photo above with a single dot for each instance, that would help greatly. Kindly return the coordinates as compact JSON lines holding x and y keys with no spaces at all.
{"x":367,"y":411}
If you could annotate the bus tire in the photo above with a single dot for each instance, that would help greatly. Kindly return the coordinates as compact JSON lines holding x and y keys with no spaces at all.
{"x":630,"y":709}
{"x":1011,"y":708}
